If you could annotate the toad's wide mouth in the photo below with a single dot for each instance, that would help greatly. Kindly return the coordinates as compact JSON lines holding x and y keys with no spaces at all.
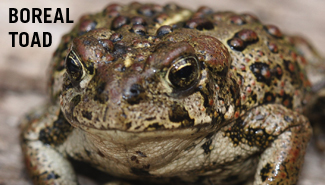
{"x":135,"y":119}
{"x":156,"y":127}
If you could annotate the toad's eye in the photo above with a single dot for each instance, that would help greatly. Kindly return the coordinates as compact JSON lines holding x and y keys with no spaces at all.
{"x":183,"y":73}
{"x":74,"y":67}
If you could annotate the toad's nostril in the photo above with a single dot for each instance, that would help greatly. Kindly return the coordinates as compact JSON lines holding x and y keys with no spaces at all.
{"x":134,"y":94}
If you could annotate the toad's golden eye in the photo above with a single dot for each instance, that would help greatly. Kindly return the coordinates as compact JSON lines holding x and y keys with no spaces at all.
{"x":183,"y":73}
{"x":74,"y":67}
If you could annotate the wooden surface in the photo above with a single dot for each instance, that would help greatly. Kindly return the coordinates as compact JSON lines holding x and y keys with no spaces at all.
{"x":23,"y":70}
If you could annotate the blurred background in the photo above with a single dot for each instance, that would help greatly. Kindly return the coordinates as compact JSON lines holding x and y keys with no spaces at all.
{"x":23,"y":70}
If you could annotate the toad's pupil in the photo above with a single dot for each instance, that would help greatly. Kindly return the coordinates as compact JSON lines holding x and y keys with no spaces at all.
{"x":185,"y":72}
{"x":72,"y":65}
{"x":73,"y":68}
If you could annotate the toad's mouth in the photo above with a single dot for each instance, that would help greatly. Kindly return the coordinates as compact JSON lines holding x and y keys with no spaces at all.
{"x":130,"y":120}
{"x":156,"y":127}
{"x":143,"y":117}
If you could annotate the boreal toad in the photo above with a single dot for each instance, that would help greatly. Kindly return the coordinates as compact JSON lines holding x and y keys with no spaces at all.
{"x":162,"y":94}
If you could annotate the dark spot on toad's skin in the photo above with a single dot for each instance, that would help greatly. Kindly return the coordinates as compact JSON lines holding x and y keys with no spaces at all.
{"x":150,"y":119}
{"x":52,"y":175}
{"x":141,"y":154}
{"x":178,"y":113}
{"x":265,"y":171}
{"x":100,"y":153}
{"x":133,"y":158}
{"x":140,"y":172}
{"x":124,"y":115}
{"x":156,"y":126}
{"x":86,"y":114}
{"x":61,"y":129}
{"x":253,"y":98}
{"x":242,"y":80}
{"x":269,"y":97}
{"x":287,"y":100}
{"x":128,"y":125}
{"x":205,"y":94}
{"x":206,"y":146}
{"x":261,"y":72}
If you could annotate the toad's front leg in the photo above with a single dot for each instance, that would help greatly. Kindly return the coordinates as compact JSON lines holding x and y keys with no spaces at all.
{"x":42,"y":132}
{"x":284,"y":134}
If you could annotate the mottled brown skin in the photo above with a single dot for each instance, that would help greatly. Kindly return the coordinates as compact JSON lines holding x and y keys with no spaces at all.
{"x":161,"y":94}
